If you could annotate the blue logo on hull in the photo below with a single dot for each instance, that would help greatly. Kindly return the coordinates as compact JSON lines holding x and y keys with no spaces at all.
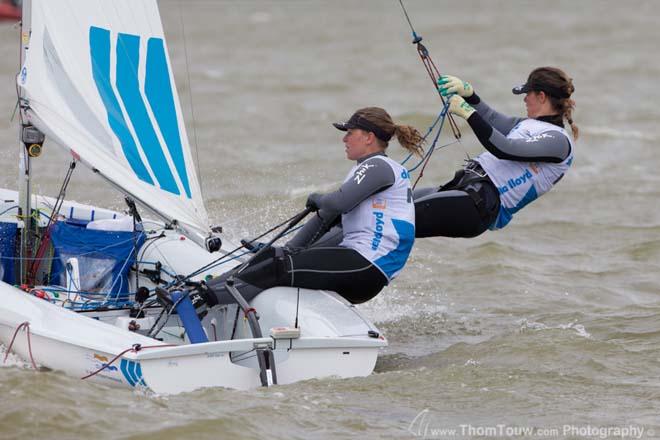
{"x":132,"y":373}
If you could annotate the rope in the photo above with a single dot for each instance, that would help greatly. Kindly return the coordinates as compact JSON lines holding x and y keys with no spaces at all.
{"x":427,"y":156}
{"x":26,"y":326}
{"x":216,"y":262}
{"x":440,"y":117}
{"x":45,"y":239}
{"x":11,"y":208}
{"x":431,"y":69}
{"x":135,"y":348}
{"x":425,"y":160}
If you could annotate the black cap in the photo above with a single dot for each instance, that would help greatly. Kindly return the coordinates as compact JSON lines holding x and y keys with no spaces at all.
{"x":362,"y":123}
{"x":536,"y":86}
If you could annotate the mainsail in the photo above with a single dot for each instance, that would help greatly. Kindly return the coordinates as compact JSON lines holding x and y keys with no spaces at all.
{"x":97,"y":79}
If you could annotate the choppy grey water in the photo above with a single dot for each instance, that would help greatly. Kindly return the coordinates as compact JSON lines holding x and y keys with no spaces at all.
{"x":552,"y":324}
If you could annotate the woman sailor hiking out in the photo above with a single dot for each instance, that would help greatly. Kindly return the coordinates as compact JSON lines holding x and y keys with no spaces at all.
{"x":375,"y":208}
{"x":525,"y":157}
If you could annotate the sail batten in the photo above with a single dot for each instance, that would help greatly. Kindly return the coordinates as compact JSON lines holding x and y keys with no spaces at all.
{"x":98,"y":80}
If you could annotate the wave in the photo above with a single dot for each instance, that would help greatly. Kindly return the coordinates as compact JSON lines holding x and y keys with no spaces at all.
{"x":579,"y":329}
{"x":12,"y":360}
{"x":616,"y":133}
{"x":300,"y":191}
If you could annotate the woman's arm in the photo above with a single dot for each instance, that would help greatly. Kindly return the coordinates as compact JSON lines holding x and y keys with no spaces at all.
{"x":314,"y":229}
{"x":551,"y":146}
{"x":372,"y":176}
{"x":499,"y":121}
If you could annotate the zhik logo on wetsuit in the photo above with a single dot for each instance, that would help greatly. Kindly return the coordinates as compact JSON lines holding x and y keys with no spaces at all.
{"x":538,"y":137}
{"x":361,"y":172}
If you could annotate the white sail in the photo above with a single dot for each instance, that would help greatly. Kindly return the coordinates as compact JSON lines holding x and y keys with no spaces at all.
{"x":97,"y":79}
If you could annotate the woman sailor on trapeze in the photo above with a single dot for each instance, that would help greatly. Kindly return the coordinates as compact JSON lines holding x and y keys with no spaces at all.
{"x":525,"y":157}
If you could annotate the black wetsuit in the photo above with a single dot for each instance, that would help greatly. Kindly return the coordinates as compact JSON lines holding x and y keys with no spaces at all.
{"x":469,"y":204}
{"x":313,"y":259}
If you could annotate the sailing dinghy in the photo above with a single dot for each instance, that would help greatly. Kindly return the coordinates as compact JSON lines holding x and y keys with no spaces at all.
{"x":79,"y":282}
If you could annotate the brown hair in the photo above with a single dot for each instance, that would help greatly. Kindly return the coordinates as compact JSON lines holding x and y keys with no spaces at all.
{"x":407,"y":135}
{"x":557,"y":79}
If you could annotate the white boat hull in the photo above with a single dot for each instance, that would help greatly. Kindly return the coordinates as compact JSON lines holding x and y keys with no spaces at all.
{"x":63,"y":340}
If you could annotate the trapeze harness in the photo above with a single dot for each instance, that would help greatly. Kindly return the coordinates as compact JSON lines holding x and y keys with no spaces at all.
{"x":375,"y":207}
{"x":517,"y":169}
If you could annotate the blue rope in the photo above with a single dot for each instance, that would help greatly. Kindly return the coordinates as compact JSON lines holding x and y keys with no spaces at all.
{"x":430,"y":129}
{"x":440,"y":119}
{"x":435,"y":141}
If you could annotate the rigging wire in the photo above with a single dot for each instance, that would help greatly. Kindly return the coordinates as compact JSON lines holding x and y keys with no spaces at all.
{"x":216,"y":262}
{"x":20,"y":67}
{"x":427,"y":158}
{"x":430,"y":67}
{"x":190,"y":98}
{"x":44,"y":240}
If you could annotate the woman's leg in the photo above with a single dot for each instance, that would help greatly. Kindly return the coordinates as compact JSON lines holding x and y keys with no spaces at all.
{"x":340,"y":269}
{"x":454,"y":213}
{"x":266,"y":271}
{"x":447,"y":214}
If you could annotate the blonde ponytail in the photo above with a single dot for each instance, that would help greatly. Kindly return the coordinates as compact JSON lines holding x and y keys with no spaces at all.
{"x":407,"y":135}
{"x":410,"y":139}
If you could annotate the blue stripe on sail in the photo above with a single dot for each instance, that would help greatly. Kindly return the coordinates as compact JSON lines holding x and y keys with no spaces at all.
{"x":158,"y":89}
{"x":128,"y":59}
{"x":99,"y":44}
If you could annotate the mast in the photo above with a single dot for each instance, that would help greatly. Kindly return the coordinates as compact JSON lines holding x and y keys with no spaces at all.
{"x":24,"y":160}
{"x":31,"y":142}
{"x":111,"y":101}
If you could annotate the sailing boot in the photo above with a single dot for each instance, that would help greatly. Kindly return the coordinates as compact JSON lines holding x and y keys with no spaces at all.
{"x":202,"y":298}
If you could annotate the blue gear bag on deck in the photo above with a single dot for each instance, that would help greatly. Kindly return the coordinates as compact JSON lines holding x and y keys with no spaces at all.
{"x":104,"y":257}
{"x":7,"y":250}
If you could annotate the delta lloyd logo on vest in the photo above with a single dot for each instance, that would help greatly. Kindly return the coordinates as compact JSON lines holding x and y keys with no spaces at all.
{"x":512,"y":183}
{"x":141,"y":124}
{"x":378,"y":230}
